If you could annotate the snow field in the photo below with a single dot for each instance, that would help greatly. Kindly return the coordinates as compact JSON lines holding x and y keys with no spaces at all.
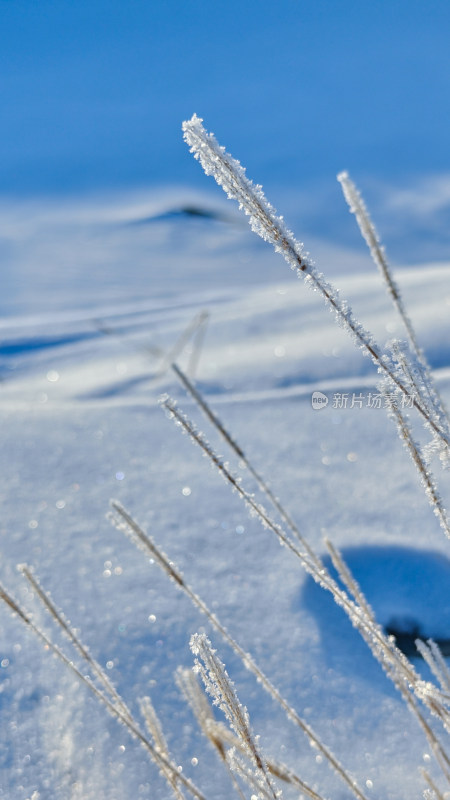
{"x":81,"y":425}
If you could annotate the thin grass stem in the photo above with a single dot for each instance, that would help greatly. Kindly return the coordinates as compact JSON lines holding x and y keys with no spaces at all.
{"x":322,"y":576}
{"x":348,"y":580}
{"x":441,"y":664}
{"x":369,"y":233}
{"x":214,"y":731}
{"x":130,"y":724}
{"x":429,"y":780}
{"x":425,"y":474}
{"x":128,"y":525}
{"x":196,"y":330}
{"x":435,"y":666}
{"x":217,"y":683}
{"x":426,"y":390}
{"x":73,"y":638}
{"x":198,"y":340}
{"x":220,"y":736}
{"x":172,"y":354}
{"x":154,"y":728}
{"x":239,"y":452}
{"x":264,"y":221}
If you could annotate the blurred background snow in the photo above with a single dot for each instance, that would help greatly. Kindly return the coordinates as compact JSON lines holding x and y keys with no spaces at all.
{"x":93,"y":95}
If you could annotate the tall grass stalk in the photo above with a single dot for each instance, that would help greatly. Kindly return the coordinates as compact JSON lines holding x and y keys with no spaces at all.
{"x":219,"y":686}
{"x":368,"y":231}
{"x":124,"y":521}
{"x":424,"y":471}
{"x":194,"y":332}
{"x":222,"y":738}
{"x":423,"y":385}
{"x":125,"y":718}
{"x":264,"y":221}
{"x":155,"y":730}
{"x":69,"y":632}
{"x":212,"y":417}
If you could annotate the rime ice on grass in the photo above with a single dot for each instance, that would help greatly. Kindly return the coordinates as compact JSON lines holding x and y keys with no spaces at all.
{"x":230,"y":175}
{"x":125,"y":522}
{"x":264,"y":221}
{"x":221,"y":689}
{"x":411,"y":360}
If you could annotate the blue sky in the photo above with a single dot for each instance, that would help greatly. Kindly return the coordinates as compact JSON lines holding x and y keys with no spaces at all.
{"x":93,"y":93}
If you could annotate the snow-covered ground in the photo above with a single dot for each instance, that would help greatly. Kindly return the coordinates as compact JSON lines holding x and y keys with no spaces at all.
{"x":93,"y":298}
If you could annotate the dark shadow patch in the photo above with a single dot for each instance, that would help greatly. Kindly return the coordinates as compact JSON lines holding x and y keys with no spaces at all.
{"x":17,"y":347}
{"x":183,"y":212}
{"x":408,"y":590}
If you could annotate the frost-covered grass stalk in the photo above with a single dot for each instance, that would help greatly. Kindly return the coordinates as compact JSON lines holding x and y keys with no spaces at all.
{"x":412,"y":364}
{"x":155,"y":730}
{"x":222,"y":691}
{"x":412,"y":368}
{"x":265,"y":222}
{"x":239,"y":452}
{"x":71,"y":635}
{"x":358,"y":208}
{"x":124,"y":521}
{"x":115,"y":709}
{"x":404,"y":370}
{"x":222,"y":738}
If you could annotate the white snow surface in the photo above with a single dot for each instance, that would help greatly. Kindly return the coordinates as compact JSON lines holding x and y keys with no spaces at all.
{"x":94,"y":296}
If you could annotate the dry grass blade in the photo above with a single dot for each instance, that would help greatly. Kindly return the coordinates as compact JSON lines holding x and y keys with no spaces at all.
{"x":154,"y":728}
{"x":348,"y":580}
{"x":425,"y":473}
{"x":265,"y":222}
{"x":441,"y":664}
{"x":425,"y":388}
{"x":214,"y":731}
{"x":221,"y":737}
{"x":320,"y":575}
{"x":438,"y":751}
{"x":428,"y":779}
{"x":431,"y":654}
{"x":242,"y":770}
{"x":419,"y":378}
{"x":72,"y":636}
{"x":195,"y":331}
{"x":358,"y":208}
{"x":198,"y":339}
{"x":226,"y":436}
{"x":353,"y":587}
{"x":218,"y":685}
{"x":189,"y":687}
{"x":130,"y":724}
{"x":125,"y":522}
{"x":197,"y":323}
